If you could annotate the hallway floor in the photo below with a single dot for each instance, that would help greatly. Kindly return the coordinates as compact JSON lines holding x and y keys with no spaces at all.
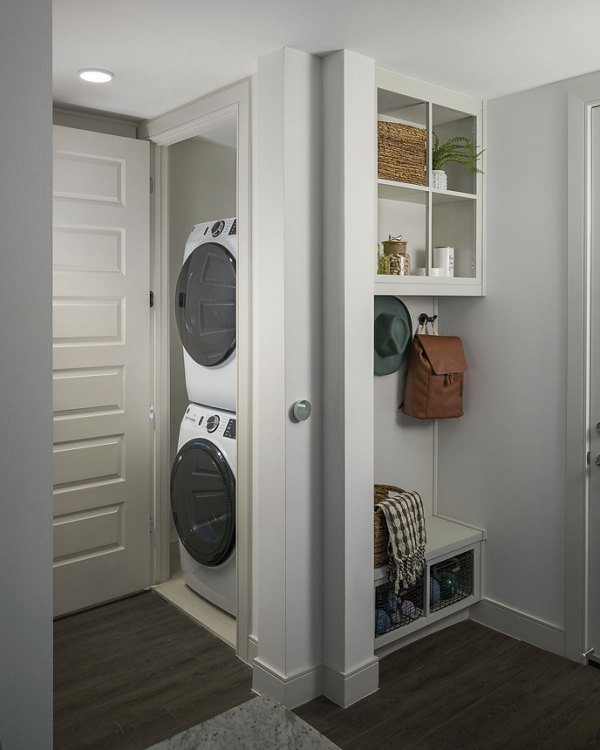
{"x":134,"y":672}
{"x":137,"y":671}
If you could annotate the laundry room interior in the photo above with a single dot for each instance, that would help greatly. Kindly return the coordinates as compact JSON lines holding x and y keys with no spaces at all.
{"x":197,"y":195}
{"x":245,"y":280}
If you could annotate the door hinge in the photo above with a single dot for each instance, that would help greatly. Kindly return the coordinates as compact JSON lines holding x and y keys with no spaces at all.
{"x":151,"y":413}
{"x":151,"y":526}
{"x":151,"y":299}
{"x":151,"y":185}
{"x":587,"y":458}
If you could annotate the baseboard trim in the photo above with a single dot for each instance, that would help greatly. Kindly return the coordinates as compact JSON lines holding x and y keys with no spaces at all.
{"x":519,"y":625}
{"x":293,"y":690}
{"x":346,"y":688}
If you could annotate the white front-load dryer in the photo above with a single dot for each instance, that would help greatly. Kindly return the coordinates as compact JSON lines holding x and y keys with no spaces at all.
{"x":203,"y":503}
{"x":205,"y":310}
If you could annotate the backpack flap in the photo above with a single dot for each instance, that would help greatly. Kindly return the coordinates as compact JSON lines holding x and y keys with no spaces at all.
{"x":445,"y":353}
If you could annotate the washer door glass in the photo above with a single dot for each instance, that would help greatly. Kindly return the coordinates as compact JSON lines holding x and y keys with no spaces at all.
{"x":203,"y":502}
{"x":205,"y":304}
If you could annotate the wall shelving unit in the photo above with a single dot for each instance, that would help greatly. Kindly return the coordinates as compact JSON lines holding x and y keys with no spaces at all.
{"x":427,"y":217}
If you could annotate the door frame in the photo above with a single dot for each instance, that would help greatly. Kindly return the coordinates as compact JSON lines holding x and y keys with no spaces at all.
{"x":185,"y":122}
{"x":581,"y":101}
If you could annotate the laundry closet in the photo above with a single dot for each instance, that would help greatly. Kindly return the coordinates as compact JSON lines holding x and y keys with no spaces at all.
{"x":201,"y":206}
{"x":150,"y":304}
{"x":202,"y":209}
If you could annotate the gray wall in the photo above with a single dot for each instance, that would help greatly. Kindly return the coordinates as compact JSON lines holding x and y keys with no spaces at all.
{"x":203,"y":186}
{"x":25,"y":385}
{"x":502,"y":466}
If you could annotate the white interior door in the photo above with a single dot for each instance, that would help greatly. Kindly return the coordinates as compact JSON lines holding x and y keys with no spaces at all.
{"x":101,"y":343}
{"x":593,"y":577}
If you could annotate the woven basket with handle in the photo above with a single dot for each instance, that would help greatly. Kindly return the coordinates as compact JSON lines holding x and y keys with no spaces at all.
{"x":380,"y":492}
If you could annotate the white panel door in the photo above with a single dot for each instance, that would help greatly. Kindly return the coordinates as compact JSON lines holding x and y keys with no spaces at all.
{"x":101,"y":343}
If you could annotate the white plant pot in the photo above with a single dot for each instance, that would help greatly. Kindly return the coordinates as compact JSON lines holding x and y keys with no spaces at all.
{"x":439,"y":179}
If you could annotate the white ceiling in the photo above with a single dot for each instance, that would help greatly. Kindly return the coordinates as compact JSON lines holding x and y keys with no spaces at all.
{"x":166,"y":53}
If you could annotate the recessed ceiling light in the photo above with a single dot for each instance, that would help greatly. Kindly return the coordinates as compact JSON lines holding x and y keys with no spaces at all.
{"x":95,"y":75}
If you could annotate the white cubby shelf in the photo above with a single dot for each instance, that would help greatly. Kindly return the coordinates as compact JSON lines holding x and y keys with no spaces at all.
{"x":449,"y":543}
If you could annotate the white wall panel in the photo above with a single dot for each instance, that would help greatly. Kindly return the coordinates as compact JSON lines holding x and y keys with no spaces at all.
{"x":502,"y":465}
{"x":25,"y":381}
{"x":404,"y":447}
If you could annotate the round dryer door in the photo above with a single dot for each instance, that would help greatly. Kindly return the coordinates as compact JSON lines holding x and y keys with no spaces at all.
{"x":203,"y":501}
{"x":205,"y":304}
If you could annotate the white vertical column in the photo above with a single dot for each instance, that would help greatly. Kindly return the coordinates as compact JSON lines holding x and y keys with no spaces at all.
{"x":350,"y":669}
{"x":287,"y":350}
{"x":25,"y":375}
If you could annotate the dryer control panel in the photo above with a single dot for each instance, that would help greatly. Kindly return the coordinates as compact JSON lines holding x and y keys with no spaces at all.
{"x":203,"y":419}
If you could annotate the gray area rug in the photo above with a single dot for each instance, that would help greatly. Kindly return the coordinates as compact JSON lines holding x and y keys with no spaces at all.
{"x":261,"y":723}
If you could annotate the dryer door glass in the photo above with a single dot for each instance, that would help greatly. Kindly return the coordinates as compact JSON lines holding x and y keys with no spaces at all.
{"x":205,"y":304}
{"x":203,"y":502}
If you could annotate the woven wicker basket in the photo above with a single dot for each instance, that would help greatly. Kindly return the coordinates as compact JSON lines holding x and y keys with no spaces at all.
{"x":380,"y":492}
{"x":401,"y":153}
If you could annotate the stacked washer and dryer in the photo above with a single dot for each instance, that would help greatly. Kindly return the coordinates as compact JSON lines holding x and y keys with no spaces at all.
{"x":203,"y":477}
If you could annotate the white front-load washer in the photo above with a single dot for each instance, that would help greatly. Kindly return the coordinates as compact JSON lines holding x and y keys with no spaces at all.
{"x":205,"y":310}
{"x":203,"y":503}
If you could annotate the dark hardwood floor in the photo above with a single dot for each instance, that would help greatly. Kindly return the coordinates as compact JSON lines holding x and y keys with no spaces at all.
{"x":133,"y":672}
{"x":136,"y":671}
{"x":468,"y":687}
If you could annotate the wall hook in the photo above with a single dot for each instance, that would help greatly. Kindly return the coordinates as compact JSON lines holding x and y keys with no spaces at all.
{"x":424,"y":318}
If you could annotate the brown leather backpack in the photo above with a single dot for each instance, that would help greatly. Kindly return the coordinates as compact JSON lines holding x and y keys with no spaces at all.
{"x":434,"y":378}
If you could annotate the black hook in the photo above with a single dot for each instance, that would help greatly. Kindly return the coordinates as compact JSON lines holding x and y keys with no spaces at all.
{"x":424,"y":318}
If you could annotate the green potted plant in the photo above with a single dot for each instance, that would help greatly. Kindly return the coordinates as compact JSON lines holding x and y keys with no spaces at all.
{"x":456,"y":150}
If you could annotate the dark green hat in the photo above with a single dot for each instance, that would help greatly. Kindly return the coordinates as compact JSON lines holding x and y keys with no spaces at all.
{"x":393,"y":334}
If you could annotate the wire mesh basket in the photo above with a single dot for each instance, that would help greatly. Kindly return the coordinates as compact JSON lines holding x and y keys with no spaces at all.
{"x":393,"y":612}
{"x":450,"y":581}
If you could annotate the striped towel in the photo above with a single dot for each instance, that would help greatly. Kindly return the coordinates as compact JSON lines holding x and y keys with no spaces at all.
{"x":405,"y":519}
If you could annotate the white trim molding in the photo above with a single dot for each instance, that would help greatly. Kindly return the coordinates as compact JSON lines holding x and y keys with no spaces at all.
{"x":519,"y":625}
{"x":581,"y":100}
{"x":291,"y":690}
{"x":302,"y":686}
{"x":252,"y":649}
{"x":185,"y":122}
{"x":346,"y":688}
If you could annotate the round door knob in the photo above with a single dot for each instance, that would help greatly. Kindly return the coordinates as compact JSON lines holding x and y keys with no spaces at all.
{"x":301,"y":410}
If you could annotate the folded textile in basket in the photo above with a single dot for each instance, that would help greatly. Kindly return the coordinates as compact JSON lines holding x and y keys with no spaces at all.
{"x":405,"y":519}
